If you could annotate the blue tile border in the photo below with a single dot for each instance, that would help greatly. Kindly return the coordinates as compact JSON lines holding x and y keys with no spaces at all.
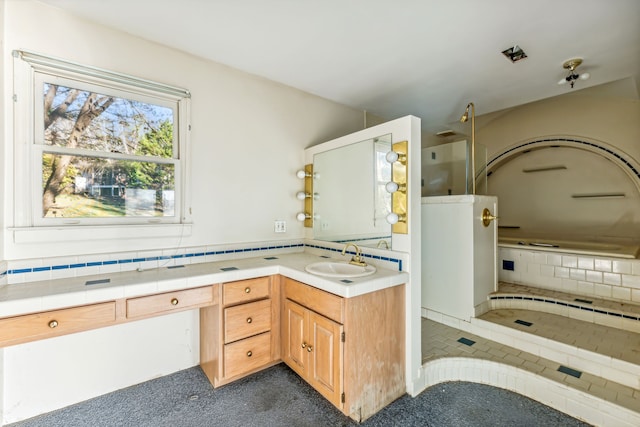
{"x":189,"y":255}
{"x":544,"y":141}
{"x":565,"y":304}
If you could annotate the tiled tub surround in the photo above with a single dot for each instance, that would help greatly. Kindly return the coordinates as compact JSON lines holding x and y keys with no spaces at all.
{"x":591,"y":276}
{"x":32,"y":270}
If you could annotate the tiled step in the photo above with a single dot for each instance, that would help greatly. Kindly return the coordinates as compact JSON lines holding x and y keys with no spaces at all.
{"x":616,"y":314}
{"x":599,"y":350}
{"x":476,"y":351}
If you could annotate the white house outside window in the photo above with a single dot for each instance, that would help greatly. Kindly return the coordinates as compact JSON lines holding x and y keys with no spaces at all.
{"x":105,"y":148}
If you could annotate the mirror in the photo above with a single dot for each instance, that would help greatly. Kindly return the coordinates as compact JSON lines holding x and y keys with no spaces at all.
{"x":352,"y":202}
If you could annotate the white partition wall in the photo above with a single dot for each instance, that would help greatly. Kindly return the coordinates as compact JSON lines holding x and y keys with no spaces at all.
{"x":458,"y":254}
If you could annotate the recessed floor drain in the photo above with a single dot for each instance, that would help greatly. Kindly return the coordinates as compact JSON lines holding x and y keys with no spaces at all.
{"x":194,"y":397}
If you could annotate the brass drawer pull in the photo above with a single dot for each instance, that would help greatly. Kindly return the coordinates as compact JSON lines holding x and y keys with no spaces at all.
{"x":249,"y":320}
{"x":53,"y":324}
{"x":247,"y":290}
{"x":249,"y":353}
{"x":309,"y":349}
{"x":174,"y":301}
{"x":304,"y":344}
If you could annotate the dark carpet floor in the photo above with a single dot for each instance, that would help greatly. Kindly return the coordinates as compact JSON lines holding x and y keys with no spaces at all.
{"x":278,"y":397}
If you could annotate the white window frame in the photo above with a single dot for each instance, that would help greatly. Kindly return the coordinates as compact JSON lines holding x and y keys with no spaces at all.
{"x":30,"y":71}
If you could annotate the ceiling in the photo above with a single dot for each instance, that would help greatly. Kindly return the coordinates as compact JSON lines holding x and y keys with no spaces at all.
{"x":428,"y":58}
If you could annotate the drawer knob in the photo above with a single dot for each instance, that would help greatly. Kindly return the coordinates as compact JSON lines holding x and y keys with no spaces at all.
{"x":53,"y":324}
{"x":249,"y":320}
{"x":174,"y":301}
{"x":247,"y":290}
{"x":304,"y":344}
{"x":249,"y":353}
{"x":309,"y":349}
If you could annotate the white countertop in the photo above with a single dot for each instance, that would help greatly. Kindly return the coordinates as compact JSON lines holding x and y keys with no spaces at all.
{"x":16,"y":299}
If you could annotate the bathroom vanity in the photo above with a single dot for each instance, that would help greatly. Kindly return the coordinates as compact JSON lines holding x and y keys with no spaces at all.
{"x":347,"y":340}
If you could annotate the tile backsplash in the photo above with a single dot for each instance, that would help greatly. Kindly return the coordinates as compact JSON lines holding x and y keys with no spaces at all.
{"x":32,"y":270}
{"x":603,"y":277}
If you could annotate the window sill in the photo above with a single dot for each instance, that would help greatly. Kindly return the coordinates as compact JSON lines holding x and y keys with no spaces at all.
{"x":26,"y":235}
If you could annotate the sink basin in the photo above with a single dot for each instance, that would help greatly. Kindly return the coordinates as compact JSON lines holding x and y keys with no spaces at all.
{"x":339,"y":269}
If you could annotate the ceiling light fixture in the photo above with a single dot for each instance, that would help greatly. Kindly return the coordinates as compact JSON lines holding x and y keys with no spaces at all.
{"x":571,"y":78}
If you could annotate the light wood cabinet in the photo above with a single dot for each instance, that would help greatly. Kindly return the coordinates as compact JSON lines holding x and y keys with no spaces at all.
{"x":236,"y":336}
{"x":357,"y":355}
{"x":153,"y":305}
{"x":313,"y":349}
{"x":31,"y":327}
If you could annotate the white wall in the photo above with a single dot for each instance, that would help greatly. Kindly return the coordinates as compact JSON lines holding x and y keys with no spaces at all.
{"x":247,"y":141}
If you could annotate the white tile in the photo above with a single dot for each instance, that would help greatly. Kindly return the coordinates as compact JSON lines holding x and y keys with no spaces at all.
{"x":602,"y":264}
{"x":533,"y":269}
{"x":546,"y":270}
{"x":635,"y":295}
{"x":594,"y":276}
{"x":540,"y":258}
{"x":623,"y":267}
{"x":554,"y":259}
{"x":602,"y":290}
{"x":612,"y":278}
{"x":585,"y":263}
{"x":569,"y":261}
{"x":577,"y":274}
{"x":586,"y":288}
{"x":562,"y":272}
{"x":621,"y":293}
{"x":631,"y":281}
{"x":570,"y":285}
{"x":635,"y":267}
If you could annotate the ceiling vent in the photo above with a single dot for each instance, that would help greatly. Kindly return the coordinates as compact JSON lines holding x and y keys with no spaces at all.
{"x":514,"y":53}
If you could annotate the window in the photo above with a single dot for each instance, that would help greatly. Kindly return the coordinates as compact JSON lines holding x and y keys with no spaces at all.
{"x":104,"y":148}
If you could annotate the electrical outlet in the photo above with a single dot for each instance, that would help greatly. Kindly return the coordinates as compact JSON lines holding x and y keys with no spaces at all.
{"x":280,"y":226}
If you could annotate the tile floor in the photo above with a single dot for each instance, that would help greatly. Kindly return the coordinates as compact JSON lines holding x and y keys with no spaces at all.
{"x":606,"y":342}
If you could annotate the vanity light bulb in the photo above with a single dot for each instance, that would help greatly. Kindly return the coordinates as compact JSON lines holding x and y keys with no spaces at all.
{"x":301,"y":174}
{"x":301,"y":195}
{"x":392,"y":187}
{"x":302,"y":216}
{"x":392,"y":157}
{"x":393,"y":218}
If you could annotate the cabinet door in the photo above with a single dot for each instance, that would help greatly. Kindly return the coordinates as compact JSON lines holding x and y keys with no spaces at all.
{"x":295,"y":354}
{"x":326,"y":357}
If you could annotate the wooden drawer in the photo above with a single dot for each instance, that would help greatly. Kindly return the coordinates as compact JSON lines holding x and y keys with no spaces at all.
{"x":247,"y":355}
{"x":170,"y":301}
{"x":325,"y":303}
{"x":245,"y":290}
{"x":245,"y":320}
{"x":19,"y":329}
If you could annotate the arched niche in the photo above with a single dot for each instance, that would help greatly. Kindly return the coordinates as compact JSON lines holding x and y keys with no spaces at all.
{"x":566,"y":188}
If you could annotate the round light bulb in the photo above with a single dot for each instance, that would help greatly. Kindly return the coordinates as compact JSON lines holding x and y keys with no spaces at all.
{"x":301,"y":195}
{"x":301,"y":174}
{"x":392,"y":187}
{"x":301,"y":216}
{"x":393,"y":218}
{"x":392,"y":157}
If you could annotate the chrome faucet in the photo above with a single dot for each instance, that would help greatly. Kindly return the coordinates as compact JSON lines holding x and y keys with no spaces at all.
{"x":357,"y":258}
